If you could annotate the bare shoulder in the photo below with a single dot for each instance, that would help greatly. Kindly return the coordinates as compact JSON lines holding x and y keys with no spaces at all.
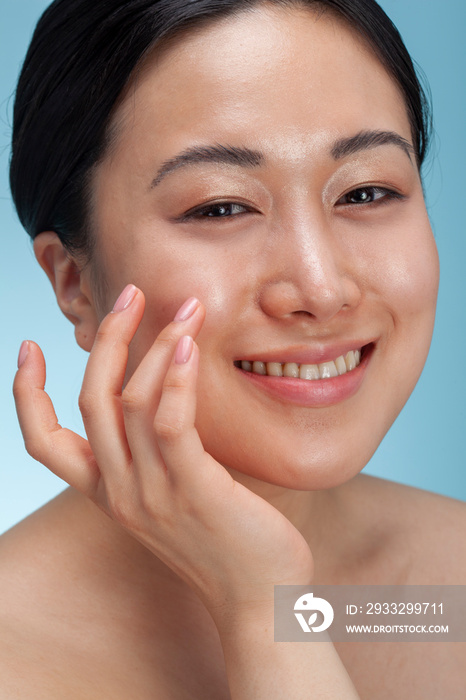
{"x":411,"y":537}
{"x":48,"y":611}
{"x":428,"y":528}
{"x":29,"y":568}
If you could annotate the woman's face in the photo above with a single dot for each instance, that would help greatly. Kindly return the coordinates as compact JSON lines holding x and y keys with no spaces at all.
{"x":246,"y":172}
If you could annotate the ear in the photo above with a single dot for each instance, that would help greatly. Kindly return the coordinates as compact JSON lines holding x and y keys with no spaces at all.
{"x":71,"y":285}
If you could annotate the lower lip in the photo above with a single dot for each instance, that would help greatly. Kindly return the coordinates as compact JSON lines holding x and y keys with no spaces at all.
{"x":313,"y":393}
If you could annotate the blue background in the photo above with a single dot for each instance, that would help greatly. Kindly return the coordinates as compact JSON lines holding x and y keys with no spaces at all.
{"x":425,"y":447}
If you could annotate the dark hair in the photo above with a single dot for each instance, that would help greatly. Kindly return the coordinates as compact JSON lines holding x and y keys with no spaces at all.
{"x":83,"y":54}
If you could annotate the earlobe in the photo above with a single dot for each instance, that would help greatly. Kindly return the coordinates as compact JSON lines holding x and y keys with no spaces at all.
{"x":71,"y":286}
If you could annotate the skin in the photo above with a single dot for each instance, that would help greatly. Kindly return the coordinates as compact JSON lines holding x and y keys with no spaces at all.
{"x":299,"y":272}
{"x":186,"y":474}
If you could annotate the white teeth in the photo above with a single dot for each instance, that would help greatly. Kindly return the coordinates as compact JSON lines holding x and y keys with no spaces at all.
{"x":340,"y":364}
{"x":328,"y":370}
{"x":274,"y":369}
{"x":325,"y":370}
{"x":291,"y":369}
{"x":350,"y":360}
{"x":309,"y":372}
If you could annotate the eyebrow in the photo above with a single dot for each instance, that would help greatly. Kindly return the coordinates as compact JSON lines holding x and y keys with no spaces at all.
{"x":366,"y":140}
{"x":248,"y":158}
{"x":229,"y":155}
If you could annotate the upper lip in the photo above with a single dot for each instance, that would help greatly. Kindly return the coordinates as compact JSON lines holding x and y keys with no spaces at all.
{"x":303,"y":355}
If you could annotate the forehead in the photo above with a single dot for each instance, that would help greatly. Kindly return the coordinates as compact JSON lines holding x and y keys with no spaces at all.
{"x":240,"y":77}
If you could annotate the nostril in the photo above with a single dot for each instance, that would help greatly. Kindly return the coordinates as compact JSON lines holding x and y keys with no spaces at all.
{"x":280,"y":299}
{"x":316,"y":297}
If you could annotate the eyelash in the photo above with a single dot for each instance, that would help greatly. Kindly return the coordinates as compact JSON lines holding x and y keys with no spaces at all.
{"x":387,"y":195}
{"x":206,"y":211}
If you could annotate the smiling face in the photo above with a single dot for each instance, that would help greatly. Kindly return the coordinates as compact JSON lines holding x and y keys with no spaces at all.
{"x":262,"y":165}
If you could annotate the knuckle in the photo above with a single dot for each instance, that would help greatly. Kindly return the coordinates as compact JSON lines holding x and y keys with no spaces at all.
{"x":174,"y":383}
{"x":34,"y":447}
{"x":102,"y":333}
{"x":150,"y":506}
{"x":133,"y":400}
{"x":121,"y":510}
{"x":105,"y":327}
{"x":168,"y":430}
{"x":110,"y":333}
{"x":87,"y":403}
{"x":167,"y":337}
{"x":17,"y":390}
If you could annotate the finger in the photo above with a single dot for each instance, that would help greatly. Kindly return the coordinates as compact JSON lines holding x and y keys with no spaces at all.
{"x":100,"y":398}
{"x":174,"y":423}
{"x":142,"y":394}
{"x":65,"y":453}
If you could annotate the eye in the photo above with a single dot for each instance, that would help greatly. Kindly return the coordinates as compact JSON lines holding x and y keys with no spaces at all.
{"x":217,"y":210}
{"x":369,"y":195}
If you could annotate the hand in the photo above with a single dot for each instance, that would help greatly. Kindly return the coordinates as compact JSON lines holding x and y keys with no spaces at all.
{"x":144,"y":464}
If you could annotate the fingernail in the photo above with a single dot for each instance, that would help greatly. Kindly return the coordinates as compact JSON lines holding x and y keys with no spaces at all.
{"x":183,"y":350}
{"x":187,"y":310}
{"x":23,"y":352}
{"x":125,"y":298}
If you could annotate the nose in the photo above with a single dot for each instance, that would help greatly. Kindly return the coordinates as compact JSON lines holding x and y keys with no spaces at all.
{"x":310,"y":274}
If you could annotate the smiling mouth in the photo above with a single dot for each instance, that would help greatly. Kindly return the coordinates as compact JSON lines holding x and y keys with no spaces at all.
{"x":325,"y":370}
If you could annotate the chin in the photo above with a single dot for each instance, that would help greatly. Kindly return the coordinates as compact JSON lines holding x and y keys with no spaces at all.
{"x":299,"y":449}
{"x":297,"y":467}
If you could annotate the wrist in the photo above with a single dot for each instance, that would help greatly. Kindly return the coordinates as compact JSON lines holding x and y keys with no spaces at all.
{"x":251,"y":614}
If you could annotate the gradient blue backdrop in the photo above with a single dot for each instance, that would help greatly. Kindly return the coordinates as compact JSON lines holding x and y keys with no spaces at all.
{"x":425,"y":448}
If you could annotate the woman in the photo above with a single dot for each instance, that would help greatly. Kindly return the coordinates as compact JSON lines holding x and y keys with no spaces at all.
{"x":226,"y":198}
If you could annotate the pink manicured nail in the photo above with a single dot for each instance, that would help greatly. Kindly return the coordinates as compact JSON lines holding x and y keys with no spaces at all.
{"x":125,"y":298}
{"x":187,"y":310}
{"x":23,"y":352}
{"x":183,"y":350}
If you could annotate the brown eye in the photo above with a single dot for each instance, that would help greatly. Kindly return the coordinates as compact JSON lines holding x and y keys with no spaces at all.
{"x":220,"y":210}
{"x":368,"y":195}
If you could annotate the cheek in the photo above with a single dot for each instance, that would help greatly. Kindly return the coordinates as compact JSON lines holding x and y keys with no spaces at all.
{"x":403,"y":277}
{"x":399,"y":268}
{"x":410,"y":279}
{"x":168,"y":277}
